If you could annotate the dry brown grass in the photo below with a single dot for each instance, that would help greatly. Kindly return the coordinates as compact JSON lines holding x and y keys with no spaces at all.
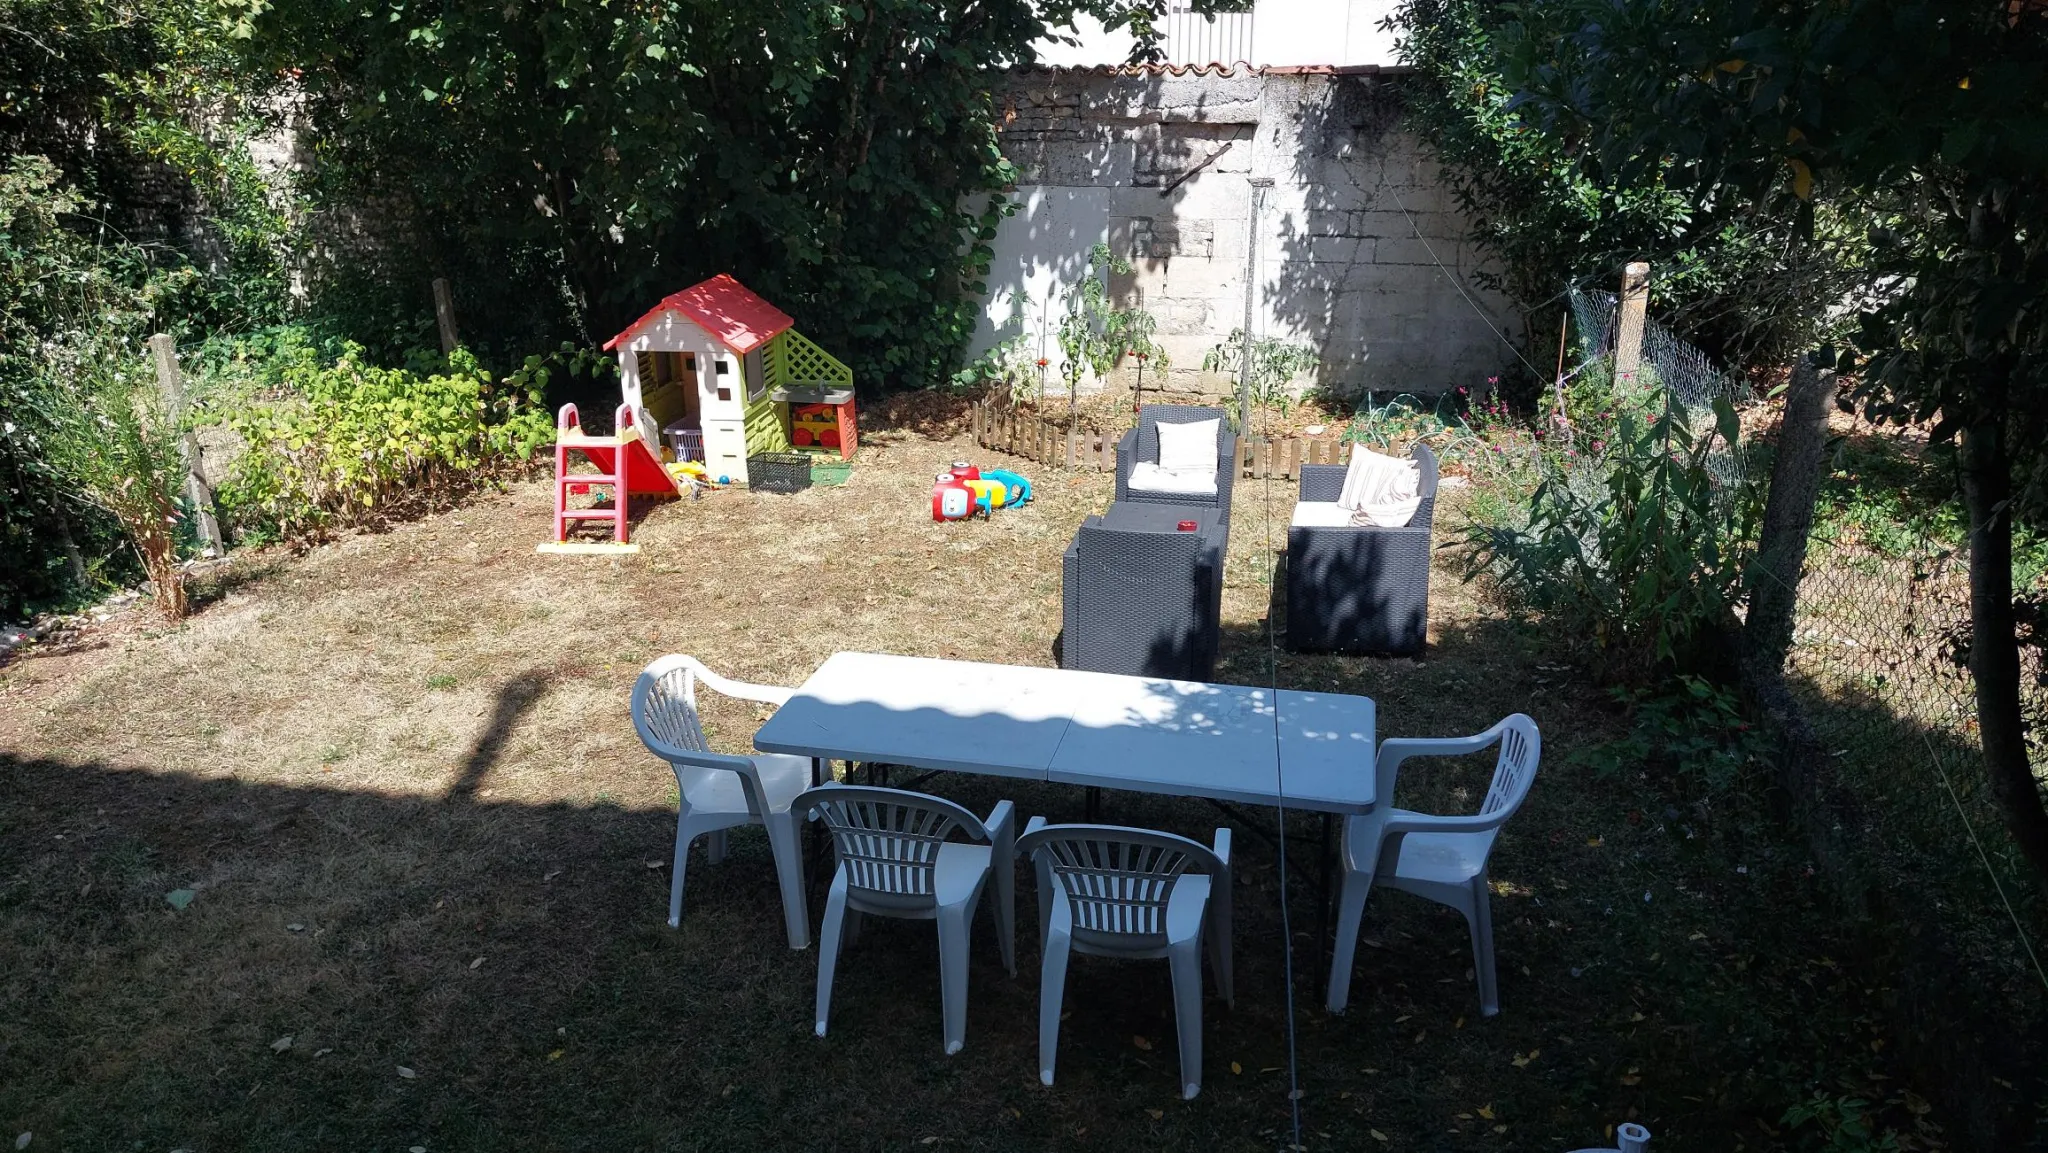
{"x":399,"y":774}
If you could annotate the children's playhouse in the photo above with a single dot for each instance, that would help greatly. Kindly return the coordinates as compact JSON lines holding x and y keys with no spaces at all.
{"x":717,"y":374}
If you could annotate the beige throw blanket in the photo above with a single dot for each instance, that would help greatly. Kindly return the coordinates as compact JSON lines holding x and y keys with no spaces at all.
{"x":1379,"y":490}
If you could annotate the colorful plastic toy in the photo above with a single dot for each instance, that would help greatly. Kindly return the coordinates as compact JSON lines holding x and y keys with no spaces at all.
{"x":964,"y":490}
{"x":625,"y":464}
{"x":726,"y":376}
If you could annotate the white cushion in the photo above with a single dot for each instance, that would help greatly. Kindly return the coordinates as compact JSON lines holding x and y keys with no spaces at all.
{"x":1381,"y":490}
{"x":1190,"y":446}
{"x":1320,"y":514}
{"x":1149,"y":477}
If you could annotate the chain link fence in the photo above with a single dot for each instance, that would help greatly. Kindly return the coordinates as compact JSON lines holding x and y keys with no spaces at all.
{"x":1878,"y":672}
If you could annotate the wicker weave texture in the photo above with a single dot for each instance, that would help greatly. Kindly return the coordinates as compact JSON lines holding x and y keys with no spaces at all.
{"x":1360,"y":589}
{"x":1143,"y":603}
{"x":1142,"y":444}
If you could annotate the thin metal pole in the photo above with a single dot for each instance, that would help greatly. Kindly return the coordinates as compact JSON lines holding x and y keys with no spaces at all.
{"x":1259,"y":184}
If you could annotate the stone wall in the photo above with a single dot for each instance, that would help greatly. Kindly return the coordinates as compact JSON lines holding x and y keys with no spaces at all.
{"x":1361,"y":250}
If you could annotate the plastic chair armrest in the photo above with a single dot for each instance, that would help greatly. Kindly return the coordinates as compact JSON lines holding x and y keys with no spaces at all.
{"x":1404,"y":747}
{"x":1431,"y":823}
{"x":1223,"y":846}
{"x":1001,"y":825}
{"x":738,"y":690}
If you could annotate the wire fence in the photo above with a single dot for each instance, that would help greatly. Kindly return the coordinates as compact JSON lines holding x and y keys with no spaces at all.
{"x":1879,"y":663}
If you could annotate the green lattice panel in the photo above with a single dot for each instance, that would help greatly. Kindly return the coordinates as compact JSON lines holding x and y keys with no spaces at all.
{"x":793,"y":361}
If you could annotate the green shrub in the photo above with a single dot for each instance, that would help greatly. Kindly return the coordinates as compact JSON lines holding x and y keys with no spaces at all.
{"x":1640,"y":549}
{"x":349,"y":442}
{"x":1274,"y":362}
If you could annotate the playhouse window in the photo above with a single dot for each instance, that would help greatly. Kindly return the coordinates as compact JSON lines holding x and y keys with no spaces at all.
{"x":689,"y":362}
{"x":723,"y":368}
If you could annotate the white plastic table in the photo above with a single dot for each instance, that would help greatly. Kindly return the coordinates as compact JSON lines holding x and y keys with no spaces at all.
{"x":1225,"y":743}
{"x":1184,"y":738}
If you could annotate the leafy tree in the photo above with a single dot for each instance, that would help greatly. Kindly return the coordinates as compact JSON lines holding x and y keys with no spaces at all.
{"x":1941,"y":108}
{"x":1743,"y":280}
{"x":566,"y":165}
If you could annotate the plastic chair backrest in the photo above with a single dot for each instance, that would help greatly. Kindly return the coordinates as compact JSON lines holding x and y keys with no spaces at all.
{"x":1117,"y":880}
{"x":1521,"y":746}
{"x":664,"y":707}
{"x":888,"y":839}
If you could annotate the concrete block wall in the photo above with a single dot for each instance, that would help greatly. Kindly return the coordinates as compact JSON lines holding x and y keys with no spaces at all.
{"x":1361,"y":248}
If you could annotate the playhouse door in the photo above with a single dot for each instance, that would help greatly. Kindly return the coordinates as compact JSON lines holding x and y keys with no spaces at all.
{"x":693,"y":402}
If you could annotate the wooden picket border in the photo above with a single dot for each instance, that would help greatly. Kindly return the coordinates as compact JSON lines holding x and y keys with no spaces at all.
{"x":1049,"y":442}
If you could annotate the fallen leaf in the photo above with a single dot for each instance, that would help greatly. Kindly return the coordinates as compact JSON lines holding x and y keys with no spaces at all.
{"x":406,"y":1073}
{"x":1155,"y":1114}
{"x":179,"y":898}
{"x":322,"y":1052}
{"x":929,"y":1141}
{"x":476,"y":963}
{"x":1236,"y":1068}
{"x":1296,"y":1095}
{"x":1636,"y":1017}
{"x":417,"y":1149}
{"x":1458,"y":1024}
{"x":1500,"y":1128}
{"x":22,"y":1141}
{"x":281,"y":1044}
{"x":1697,"y":936}
{"x":551,"y":876}
{"x":295,"y":927}
{"x":1376,"y":1134}
{"x":555,"y":1056}
{"x":1142,"y":1043}
{"x":1485,"y":1111}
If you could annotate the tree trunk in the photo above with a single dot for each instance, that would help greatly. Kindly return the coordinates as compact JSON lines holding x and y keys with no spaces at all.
{"x":1994,"y":640}
{"x":1788,"y":515}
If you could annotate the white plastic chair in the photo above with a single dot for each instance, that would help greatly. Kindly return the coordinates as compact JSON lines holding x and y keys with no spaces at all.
{"x":897,"y":859}
{"x":721,"y":791}
{"x":1440,"y":858}
{"x":1629,"y":1137}
{"x":1115,"y":892}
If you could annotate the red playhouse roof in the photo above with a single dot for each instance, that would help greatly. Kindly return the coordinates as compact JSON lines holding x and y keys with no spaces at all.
{"x":724,"y":308}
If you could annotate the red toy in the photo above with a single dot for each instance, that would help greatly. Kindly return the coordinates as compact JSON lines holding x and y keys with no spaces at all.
{"x":951,"y":498}
{"x":624,"y":465}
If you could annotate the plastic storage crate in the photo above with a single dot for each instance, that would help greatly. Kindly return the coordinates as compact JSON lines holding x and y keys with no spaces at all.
{"x":779,"y":471}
